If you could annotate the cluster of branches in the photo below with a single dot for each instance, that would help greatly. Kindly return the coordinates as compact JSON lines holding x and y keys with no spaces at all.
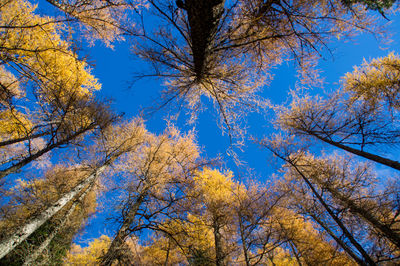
{"x":357,"y":207}
{"x":223,"y":50}
{"x":322,"y":211}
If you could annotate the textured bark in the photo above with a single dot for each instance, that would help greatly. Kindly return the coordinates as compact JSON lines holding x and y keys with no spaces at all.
{"x":114,"y":251}
{"x":219,"y":257}
{"x":30,"y":259}
{"x":32,"y":225}
{"x":204,"y":17}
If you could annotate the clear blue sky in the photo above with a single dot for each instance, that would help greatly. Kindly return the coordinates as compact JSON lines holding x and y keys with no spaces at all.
{"x":114,"y":69}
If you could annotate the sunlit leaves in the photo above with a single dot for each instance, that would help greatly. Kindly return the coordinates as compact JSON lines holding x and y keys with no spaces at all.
{"x":375,"y":81}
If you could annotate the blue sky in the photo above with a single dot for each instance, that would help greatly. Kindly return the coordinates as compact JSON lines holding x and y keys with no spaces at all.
{"x":115,"y":68}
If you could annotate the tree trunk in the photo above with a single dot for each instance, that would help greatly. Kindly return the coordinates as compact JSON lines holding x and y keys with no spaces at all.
{"x":353,"y":241}
{"x":31,"y":226}
{"x":113,"y":252}
{"x":367,"y":155}
{"x":17,"y":140}
{"x":346,"y":248}
{"x":14,"y":168}
{"x":390,"y":234}
{"x":30,"y":259}
{"x":168,"y":250}
{"x":203,"y":17}
{"x":219,"y":257}
{"x":346,"y":232}
{"x":296,"y":254}
{"x":245,"y":253}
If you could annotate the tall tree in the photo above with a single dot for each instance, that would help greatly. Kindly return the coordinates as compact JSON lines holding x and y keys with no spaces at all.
{"x":359,"y":117}
{"x":116,"y":141}
{"x":223,"y":49}
{"x":47,"y":97}
{"x":352,"y":189}
{"x":30,"y":198}
{"x":150,"y":176}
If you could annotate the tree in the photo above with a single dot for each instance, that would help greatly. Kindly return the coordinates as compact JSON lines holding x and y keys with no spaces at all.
{"x":289,"y":152}
{"x":106,"y":21}
{"x":30,"y":199}
{"x":47,"y":97}
{"x":380,"y":6}
{"x":215,"y":195}
{"x":119,"y":140}
{"x":150,"y":176}
{"x":253,"y":207}
{"x":87,"y":256}
{"x":223,"y":50}
{"x":343,"y":197}
{"x":352,"y":189}
{"x":360,"y":116}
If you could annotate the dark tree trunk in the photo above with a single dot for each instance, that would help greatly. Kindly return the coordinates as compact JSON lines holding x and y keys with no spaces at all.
{"x":390,"y":234}
{"x":14,"y":168}
{"x":114,"y":252}
{"x":204,"y":17}
{"x":219,"y":257}
{"x":367,"y":155}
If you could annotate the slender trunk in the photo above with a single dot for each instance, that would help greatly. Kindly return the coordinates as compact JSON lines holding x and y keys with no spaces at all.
{"x":350,"y":237}
{"x":367,"y":155}
{"x":31,"y":226}
{"x":392,"y":235}
{"x":113,"y":252}
{"x":30,"y":259}
{"x":338,"y":222}
{"x":246,"y":256}
{"x":219,"y":258}
{"x":354,"y":242}
{"x":29,"y":137}
{"x":14,"y":168}
{"x":345,"y":247}
{"x":346,"y":232}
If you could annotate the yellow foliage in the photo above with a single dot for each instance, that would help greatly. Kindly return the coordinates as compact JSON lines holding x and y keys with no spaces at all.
{"x":156,"y":253}
{"x":271,"y":32}
{"x":89,"y":255}
{"x":159,"y":159}
{"x":100,"y":19}
{"x":216,"y":188}
{"x":376,"y":81}
{"x":10,"y":86}
{"x":314,"y":249}
{"x":13,"y":124}
{"x":38,"y":194}
{"x":34,"y":44}
{"x":193,"y":235}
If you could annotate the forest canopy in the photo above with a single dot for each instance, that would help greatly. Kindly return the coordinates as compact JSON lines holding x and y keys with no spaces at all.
{"x":87,"y":180}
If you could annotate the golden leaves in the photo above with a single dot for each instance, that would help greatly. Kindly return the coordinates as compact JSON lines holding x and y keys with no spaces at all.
{"x":32,"y":45}
{"x":376,"y":81}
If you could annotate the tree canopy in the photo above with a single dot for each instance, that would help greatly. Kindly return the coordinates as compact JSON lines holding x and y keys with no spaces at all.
{"x":68,"y":157}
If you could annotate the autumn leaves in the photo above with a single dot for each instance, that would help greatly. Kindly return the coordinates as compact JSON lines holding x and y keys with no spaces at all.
{"x":174,"y":207}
